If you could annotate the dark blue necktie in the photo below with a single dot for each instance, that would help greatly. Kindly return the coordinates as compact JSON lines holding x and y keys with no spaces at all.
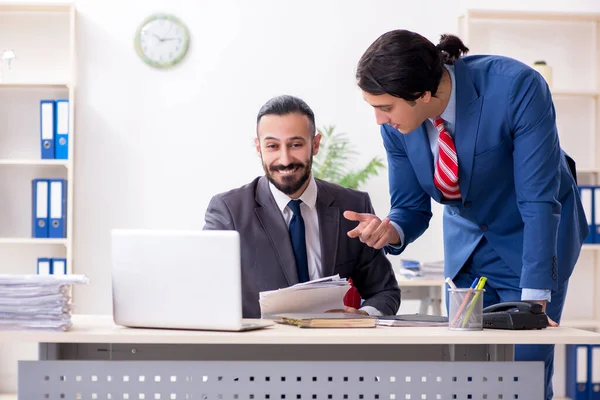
{"x":298,"y":236}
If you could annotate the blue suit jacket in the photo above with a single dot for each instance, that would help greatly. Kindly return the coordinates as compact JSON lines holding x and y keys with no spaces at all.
{"x":516,"y":185}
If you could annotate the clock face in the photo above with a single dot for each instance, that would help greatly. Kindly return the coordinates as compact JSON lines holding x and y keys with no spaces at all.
{"x":162,"y":41}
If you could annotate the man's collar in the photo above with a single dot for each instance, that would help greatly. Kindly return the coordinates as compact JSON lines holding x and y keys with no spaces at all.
{"x":449,"y":113}
{"x":308,"y":197}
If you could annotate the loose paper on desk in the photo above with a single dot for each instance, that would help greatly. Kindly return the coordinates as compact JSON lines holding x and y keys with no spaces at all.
{"x":315,"y":296}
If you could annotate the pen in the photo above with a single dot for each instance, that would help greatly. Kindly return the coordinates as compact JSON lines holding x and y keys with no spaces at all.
{"x":450,"y":283}
{"x":465,"y":301}
{"x":453,"y":286}
{"x":480,"y":286}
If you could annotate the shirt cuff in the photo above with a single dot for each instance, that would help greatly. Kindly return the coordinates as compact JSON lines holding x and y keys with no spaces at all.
{"x":535,"y":294}
{"x":372,"y":311}
{"x":400,"y":233}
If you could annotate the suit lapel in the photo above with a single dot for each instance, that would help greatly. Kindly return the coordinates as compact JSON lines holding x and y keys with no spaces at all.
{"x":417,"y":144}
{"x":468,"y":112}
{"x":329,"y":225}
{"x":272,"y":222}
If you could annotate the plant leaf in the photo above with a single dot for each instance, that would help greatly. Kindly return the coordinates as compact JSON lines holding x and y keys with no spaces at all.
{"x":336,"y":155}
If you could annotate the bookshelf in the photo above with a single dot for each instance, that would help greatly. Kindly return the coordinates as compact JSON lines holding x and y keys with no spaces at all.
{"x":574,"y":56}
{"x":42,"y":36}
{"x":40,"y":70}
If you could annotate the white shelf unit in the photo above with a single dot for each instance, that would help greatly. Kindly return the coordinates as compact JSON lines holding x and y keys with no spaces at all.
{"x":41,"y":70}
{"x":34,"y":162}
{"x":574,"y":56}
{"x":42,"y":36}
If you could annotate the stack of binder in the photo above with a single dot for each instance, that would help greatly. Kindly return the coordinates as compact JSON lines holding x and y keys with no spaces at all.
{"x":37,"y":302}
{"x":49,"y":203}
{"x":583,"y":372}
{"x":590,"y":199}
{"x":54,"y":129}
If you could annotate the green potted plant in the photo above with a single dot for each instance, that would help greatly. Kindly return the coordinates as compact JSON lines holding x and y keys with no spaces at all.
{"x":335,"y":160}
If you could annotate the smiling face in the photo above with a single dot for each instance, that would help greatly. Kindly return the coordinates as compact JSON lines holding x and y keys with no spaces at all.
{"x":400,"y":114}
{"x":286,"y":146}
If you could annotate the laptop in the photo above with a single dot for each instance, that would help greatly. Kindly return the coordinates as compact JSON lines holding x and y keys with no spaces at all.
{"x":178,"y":280}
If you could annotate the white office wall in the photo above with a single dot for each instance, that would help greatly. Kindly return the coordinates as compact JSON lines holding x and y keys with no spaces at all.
{"x":533,"y":5}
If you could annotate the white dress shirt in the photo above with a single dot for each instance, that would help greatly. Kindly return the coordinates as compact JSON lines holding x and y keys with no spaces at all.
{"x":308,"y":208}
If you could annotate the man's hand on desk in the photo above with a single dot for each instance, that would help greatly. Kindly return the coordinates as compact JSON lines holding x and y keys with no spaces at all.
{"x":543,"y":303}
{"x":348,"y":310}
{"x":371,"y":230}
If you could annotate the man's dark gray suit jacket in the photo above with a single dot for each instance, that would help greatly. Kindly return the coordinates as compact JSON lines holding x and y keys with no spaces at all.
{"x":268,"y":261}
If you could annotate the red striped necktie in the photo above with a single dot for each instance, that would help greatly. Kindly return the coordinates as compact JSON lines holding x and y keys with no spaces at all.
{"x":445,"y":177}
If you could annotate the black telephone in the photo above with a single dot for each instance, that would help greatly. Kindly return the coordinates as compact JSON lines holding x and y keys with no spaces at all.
{"x":515,"y":315}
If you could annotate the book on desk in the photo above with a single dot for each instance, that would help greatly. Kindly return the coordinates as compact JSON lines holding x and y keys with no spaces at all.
{"x":327,"y":320}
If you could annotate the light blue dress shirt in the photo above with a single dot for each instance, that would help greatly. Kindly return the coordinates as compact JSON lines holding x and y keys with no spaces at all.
{"x":449,"y":117}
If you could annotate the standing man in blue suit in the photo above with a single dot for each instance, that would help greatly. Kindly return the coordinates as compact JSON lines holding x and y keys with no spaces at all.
{"x":477,"y":134}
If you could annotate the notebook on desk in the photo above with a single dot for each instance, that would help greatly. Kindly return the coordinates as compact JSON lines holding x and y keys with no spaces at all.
{"x":412,"y":320}
{"x":178,"y":280}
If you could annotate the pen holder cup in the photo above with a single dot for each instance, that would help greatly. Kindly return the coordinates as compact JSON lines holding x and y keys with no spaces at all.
{"x":466,"y":309}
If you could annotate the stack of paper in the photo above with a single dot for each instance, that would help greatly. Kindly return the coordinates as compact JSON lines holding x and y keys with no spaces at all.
{"x":316,"y":296}
{"x":416,"y":269}
{"x":39,"y":302}
{"x":434,"y":268}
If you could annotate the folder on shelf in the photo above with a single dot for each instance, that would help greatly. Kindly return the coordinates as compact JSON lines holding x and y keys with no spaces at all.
{"x":44,"y":266}
{"x":595,"y":372}
{"x":47,"y":128}
{"x":596,"y":212}
{"x":578,"y":372}
{"x":61,"y":143}
{"x":588,"y":203}
{"x":40,"y":197}
{"x":59,"y":266}
{"x":58,"y":208}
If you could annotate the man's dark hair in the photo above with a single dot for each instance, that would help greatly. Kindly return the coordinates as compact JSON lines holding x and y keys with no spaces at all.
{"x":405,"y":64}
{"x":284,"y":105}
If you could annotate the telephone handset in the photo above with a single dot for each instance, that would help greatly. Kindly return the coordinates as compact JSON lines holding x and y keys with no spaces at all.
{"x":521,"y":306}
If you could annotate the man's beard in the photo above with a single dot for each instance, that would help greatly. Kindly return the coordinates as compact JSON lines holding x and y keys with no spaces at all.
{"x":290,"y":184}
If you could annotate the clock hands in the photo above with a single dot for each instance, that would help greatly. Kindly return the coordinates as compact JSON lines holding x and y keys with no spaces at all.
{"x":167,"y":39}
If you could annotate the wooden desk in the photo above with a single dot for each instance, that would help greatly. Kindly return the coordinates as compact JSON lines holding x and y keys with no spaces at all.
{"x":428,"y":290}
{"x":101,"y":329}
{"x":97,"y":359}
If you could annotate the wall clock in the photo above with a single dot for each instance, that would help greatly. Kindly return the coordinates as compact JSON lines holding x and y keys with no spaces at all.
{"x":162,"y":40}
